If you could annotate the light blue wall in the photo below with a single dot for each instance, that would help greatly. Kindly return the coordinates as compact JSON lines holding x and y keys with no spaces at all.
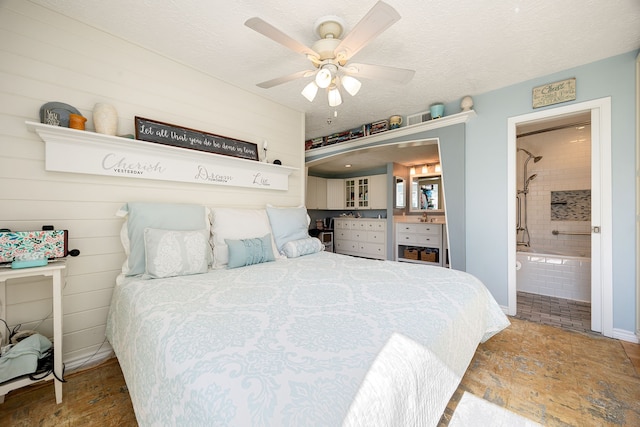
{"x":486,"y":175}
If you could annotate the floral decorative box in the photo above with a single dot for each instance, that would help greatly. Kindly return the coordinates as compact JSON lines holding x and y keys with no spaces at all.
{"x":16,"y":245}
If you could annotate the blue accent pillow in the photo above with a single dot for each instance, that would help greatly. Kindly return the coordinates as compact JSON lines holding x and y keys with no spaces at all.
{"x":288,"y":224}
{"x":166,"y":216}
{"x":249,"y":251}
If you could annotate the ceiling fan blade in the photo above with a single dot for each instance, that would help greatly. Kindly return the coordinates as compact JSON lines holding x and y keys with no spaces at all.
{"x":284,"y":79}
{"x":278,"y":36}
{"x":367,"y":71}
{"x":379,"y":18}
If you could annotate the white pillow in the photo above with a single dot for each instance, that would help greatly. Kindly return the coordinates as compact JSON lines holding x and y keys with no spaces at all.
{"x":170,"y":253}
{"x":288,"y":224}
{"x":296,"y":248}
{"x":237,"y":224}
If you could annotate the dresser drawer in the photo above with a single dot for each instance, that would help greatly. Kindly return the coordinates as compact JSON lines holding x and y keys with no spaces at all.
{"x":418,"y":239}
{"x":422,"y":228}
{"x":342,"y":234}
{"x":374,"y":250}
{"x":376,"y":236}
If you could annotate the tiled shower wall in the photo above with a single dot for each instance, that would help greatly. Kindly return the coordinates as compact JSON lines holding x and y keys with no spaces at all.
{"x":565,"y":165}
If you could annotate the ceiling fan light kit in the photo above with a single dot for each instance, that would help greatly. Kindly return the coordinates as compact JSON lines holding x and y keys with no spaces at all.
{"x":310,"y":91}
{"x":334,"y":96}
{"x":330,"y":54}
{"x":351,"y":85}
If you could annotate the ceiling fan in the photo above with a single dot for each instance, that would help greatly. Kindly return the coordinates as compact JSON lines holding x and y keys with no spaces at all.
{"x":330,"y":55}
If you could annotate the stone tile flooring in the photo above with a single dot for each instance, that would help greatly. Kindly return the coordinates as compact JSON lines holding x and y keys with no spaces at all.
{"x":562,"y":313}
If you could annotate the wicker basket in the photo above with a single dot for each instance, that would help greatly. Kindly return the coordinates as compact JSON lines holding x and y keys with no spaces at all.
{"x":411,"y":253}
{"x":428,"y":256}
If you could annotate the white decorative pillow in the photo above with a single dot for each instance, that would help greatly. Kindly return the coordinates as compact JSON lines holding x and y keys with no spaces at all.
{"x":176,"y":253}
{"x":237,"y":224}
{"x":288,"y":224}
{"x":296,"y":248}
{"x":167,"y":216}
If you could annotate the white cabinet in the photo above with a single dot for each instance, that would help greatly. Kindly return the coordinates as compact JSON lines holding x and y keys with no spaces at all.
{"x":335,"y":193}
{"x":366,"y":192}
{"x":365,"y":237}
{"x":378,"y":192}
{"x":420,"y":242}
{"x":316,"y":193}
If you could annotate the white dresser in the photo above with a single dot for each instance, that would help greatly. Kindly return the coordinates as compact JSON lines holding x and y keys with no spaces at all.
{"x":365,"y":237}
{"x":420,"y":242}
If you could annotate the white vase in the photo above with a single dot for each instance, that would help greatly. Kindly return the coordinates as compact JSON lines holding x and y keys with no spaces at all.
{"x":105,"y":119}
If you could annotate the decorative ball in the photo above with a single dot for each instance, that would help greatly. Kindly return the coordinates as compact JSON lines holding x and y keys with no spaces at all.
{"x":467,"y":103}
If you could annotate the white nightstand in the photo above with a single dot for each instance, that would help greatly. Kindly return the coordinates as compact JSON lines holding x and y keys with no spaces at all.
{"x":55,"y":270}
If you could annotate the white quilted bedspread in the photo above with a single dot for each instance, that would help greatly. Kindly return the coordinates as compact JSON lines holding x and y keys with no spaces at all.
{"x":289,"y":343}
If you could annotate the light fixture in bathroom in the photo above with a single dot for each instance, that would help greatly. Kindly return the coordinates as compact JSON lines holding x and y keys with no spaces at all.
{"x":412,"y":171}
{"x":438,"y":168}
{"x":347,"y":165}
{"x":424,"y":169}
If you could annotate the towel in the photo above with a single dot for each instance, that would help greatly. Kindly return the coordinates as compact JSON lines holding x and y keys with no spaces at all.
{"x":22,"y":358}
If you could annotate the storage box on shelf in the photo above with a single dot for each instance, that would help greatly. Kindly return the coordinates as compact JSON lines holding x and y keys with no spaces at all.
{"x":365,"y":237}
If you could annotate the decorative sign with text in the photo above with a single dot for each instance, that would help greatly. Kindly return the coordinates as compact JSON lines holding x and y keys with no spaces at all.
{"x":554,"y":93}
{"x":177,"y":136}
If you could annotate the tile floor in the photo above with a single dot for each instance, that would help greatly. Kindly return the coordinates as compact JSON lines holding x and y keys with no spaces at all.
{"x":559,"y":312}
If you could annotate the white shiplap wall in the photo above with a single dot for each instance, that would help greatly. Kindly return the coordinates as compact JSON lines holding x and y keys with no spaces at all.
{"x":47,"y":57}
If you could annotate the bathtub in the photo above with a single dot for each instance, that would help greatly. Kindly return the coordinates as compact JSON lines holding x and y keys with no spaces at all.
{"x":558,"y":275}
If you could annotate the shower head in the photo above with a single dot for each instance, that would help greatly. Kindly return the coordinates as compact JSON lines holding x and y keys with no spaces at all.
{"x":531,"y":178}
{"x":536,"y":159}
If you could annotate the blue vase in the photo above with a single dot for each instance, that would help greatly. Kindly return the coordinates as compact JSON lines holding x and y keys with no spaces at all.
{"x":437,"y":111}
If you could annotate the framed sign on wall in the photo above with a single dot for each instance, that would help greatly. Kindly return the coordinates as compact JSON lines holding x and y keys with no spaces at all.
{"x":554,"y":93}
{"x":178,"y":136}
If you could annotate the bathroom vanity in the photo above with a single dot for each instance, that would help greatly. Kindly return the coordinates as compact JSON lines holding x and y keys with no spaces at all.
{"x":422,"y":242}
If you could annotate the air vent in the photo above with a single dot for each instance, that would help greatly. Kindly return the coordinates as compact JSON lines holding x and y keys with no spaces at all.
{"x":414,"y":119}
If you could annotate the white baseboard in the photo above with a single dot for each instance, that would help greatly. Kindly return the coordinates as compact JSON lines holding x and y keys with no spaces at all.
{"x":624,"y":335}
{"x":88,"y":360}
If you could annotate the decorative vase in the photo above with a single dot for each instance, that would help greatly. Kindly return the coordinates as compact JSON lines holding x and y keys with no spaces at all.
{"x":437,"y":111}
{"x":105,"y":119}
{"x":466,"y":104}
{"x":76,"y":121}
{"x":395,"y":122}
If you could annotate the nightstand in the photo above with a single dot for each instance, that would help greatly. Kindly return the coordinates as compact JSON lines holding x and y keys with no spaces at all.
{"x":55,"y":270}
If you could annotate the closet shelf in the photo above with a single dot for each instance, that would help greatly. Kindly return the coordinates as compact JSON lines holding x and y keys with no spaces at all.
{"x":384,"y":137}
{"x":77,"y":151}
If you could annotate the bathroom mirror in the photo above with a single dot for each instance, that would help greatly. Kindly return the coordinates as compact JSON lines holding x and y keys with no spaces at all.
{"x":426,"y":193}
{"x":399,"y":197}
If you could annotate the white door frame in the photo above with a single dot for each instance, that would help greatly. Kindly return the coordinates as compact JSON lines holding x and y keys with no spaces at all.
{"x":602,"y":243}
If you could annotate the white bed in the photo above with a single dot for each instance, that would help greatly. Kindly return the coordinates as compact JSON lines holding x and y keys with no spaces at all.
{"x":320,"y":339}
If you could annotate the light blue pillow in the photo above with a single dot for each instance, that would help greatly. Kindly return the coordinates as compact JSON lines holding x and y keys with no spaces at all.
{"x":288,"y":224}
{"x":296,"y":248}
{"x":166,"y":216}
{"x":170,"y":253}
{"x":249,"y":251}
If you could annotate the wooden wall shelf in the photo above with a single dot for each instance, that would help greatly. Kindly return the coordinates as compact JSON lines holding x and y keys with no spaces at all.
{"x":77,"y":151}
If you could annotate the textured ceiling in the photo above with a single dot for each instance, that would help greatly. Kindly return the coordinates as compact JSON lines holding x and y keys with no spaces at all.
{"x":457,"y":48}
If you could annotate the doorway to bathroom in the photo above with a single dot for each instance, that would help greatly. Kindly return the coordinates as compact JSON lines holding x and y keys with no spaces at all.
{"x":549,"y":225}
{"x":553,"y":221}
